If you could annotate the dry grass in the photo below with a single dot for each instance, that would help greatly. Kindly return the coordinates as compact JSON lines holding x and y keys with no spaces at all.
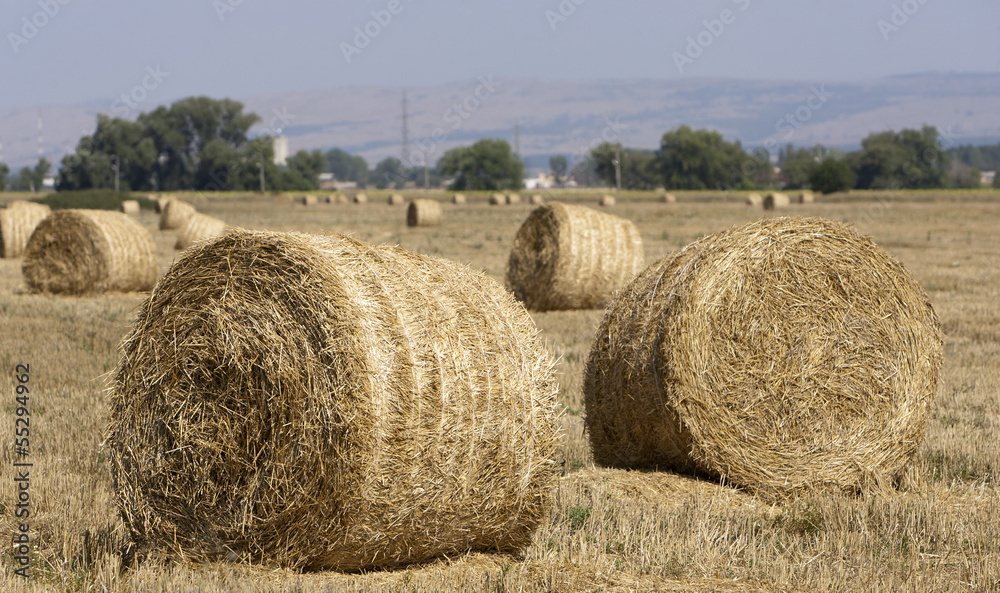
{"x":607,"y":530}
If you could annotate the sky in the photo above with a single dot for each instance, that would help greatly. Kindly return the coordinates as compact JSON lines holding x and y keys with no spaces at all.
{"x":59,"y":52}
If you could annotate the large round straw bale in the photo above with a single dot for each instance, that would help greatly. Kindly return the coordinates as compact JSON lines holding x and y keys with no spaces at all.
{"x":308,"y":200}
{"x":781,"y":355}
{"x":775,"y":200}
{"x":668,"y":198}
{"x":175,"y":214}
{"x":536,"y":199}
{"x":17,"y":221}
{"x":396,"y":200}
{"x":754,"y":200}
{"x":318,"y":402}
{"x":130,"y":207}
{"x":199,"y":227}
{"x":423,"y":212}
{"x":606,"y":201}
{"x":805,"y":197}
{"x":89,"y":251}
{"x":572,"y":257}
{"x":498,"y":200}
{"x":513,"y":198}
{"x":160,"y":202}
{"x":360,"y":198}
{"x":458,"y":199}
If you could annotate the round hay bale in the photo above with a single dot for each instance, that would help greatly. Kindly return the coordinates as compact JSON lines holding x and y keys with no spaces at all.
{"x":423,"y":213}
{"x":536,"y":200}
{"x":337,"y":199}
{"x":781,"y":355}
{"x":668,"y":198}
{"x":513,"y":198}
{"x":283,"y":200}
{"x":396,"y":200}
{"x":805,"y":197}
{"x":17,"y":221}
{"x":572,"y":257}
{"x":130,"y":207}
{"x":308,"y":200}
{"x":775,"y":200}
{"x":458,"y":199}
{"x":160,"y":202}
{"x":175,"y":214}
{"x":754,"y":200}
{"x":606,"y":201}
{"x":318,"y":402}
{"x":89,"y":251}
{"x":498,"y":200}
{"x":361,"y":198}
{"x":199,"y":227}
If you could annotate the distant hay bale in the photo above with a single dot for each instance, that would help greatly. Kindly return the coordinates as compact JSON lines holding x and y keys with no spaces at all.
{"x":320,"y":403}
{"x":283,"y":200}
{"x":668,"y":198}
{"x":130,"y":207}
{"x":423,"y":213}
{"x":160,"y":202}
{"x":536,"y":199}
{"x":781,"y":355}
{"x":396,"y":200}
{"x":513,"y":198}
{"x":755,"y":200}
{"x":361,"y":198}
{"x":199,"y":227}
{"x":805,"y":197}
{"x":458,"y":199}
{"x":606,"y":201}
{"x":498,"y":200}
{"x":308,"y":200}
{"x":175,"y":214}
{"x":775,"y":200}
{"x":88,"y":252}
{"x":336,"y":199}
{"x":17,"y":221}
{"x":572,"y":257}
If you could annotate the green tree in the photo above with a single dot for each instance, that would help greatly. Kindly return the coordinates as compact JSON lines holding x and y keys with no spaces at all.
{"x":302,"y":170}
{"x":584,"y":172}
{"x":830,"y":176}
{"x":487,"y":165}
{"x":906,"y":159}
{"x":389,"y":172}
{"x":115,"y":142}
{"x":347,"y":167}
{"x":4,"y":172}
{"x":797,"y":165}
{"x":701,"y":159}
{"x":639,"y":168}
{"x":558,"y":165}
{"x":996,"y":179}
{"x":32,"y":178}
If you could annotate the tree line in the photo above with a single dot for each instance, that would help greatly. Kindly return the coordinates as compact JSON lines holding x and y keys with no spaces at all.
{"x":203,"y":144}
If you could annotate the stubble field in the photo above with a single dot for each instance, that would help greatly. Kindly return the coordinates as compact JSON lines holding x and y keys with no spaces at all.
{"x":607,"y":530}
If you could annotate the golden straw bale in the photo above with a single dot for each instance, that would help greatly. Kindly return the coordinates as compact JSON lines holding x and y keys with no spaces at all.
{"x":161,"y":202}
{"x":199,"y":227}
{"x":17,"y":221}
{"x":668,"y":198}
{"x":513,"y":198}
{"x":458,"y":199}
{"x":606,"y":201}
{"x":89,"y":251}
{"x":423,"y":212}
{"x":754,"y":200}
{"x":130,"y":207}
{"x":320,"y":403}
{"x":175,"y":214}
{"x":498,"y":200}
{"x":784,"y":354}
{"x":775,"y":200}
{"x":572,"y":257}
{"x":536,"y":199}
{"x":805,"y":197}
{"x":308,"y":200}
{"x":396,"y":200}
{"x":360,"y":198}
{"x":283,"y":200}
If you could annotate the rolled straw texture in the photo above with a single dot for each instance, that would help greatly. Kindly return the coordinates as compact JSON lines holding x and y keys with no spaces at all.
{"x":423,"y":212}
{"x":175,"y":214}
{"x":785,"y":354}
{"x":17,"y":221}
{"x":318,"y":402}
{"x":199,"y":227}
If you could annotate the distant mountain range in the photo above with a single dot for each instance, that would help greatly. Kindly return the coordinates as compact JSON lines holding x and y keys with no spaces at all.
{"x":549,"y":117}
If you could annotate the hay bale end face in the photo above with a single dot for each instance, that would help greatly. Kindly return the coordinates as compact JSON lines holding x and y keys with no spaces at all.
{"x":17,"y":221}
{"x":513,"y":198}
{"x":774,"y":200}
{"x":785,"y":354}
{"x":572,"y":257}
{"x":805,"y":197}
{"x":606,"y":201}
{"x":130,"y":207}
{"x":89,"y":251}
{"x":199,"y":227}
{"x":308,"y":200}
{"x":361,"y":198}
{"x":498,"y":200}
{"x":754,"y":200}
{"x":459,"y":199}
{"x":342,"y":406}
{"x":175,"y":214}
{"x":423,"y":212}
{"x":396,"y":200}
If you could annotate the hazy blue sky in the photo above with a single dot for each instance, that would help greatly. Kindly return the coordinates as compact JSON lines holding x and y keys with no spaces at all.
{"x":70,"y":51}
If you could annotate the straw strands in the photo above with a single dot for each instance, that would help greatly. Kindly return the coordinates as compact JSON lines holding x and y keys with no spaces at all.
{"x":572,"y":257}
{"x":785,"y":354}
{"x":89,"y":251}
{"x":423,"y":212}
{"x":199,"y":227}
{"x":17,"y":221}
{"x":175,"y":214}
{"x":318,"y":402}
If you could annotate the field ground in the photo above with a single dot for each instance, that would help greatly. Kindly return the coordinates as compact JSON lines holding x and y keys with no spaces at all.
{"x":608,"y":530}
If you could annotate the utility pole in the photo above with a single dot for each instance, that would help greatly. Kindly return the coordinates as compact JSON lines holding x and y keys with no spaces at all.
{"x":517,"y":139}
{"x":427,"y":183}
{"x":618,"y":169}
{"x":115,"y":166}
{"x":261,"y":163}
{"x":405,"y":153}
